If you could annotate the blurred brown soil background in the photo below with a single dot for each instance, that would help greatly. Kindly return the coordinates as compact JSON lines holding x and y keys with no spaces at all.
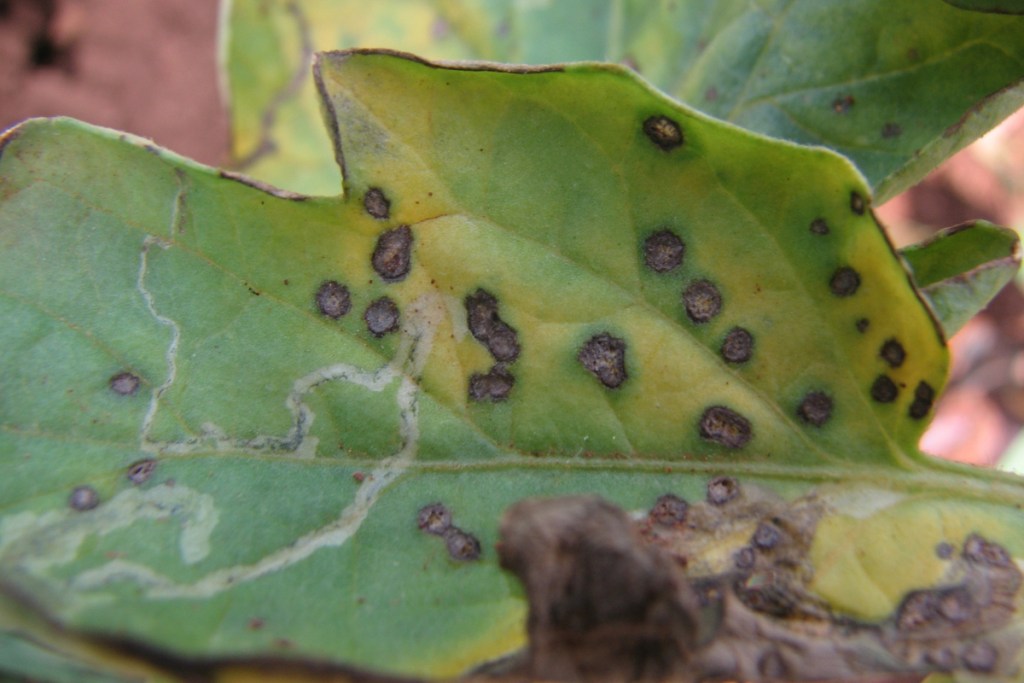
{"x":149,"y":67}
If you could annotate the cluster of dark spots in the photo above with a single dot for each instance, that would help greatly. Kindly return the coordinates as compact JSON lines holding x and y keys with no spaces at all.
{"x":862,"y":325}
{"x":892,"y":353}
{"x":924,"y":396}
{"x":333,"y":299}
{"x":819,"y":226}
{"x":83,"y":498}
{"x":462,"y":546}
{"x":702,"y":301}
{"x":766,"y":536}
{"x":668,"y":510}
{"x":140,"y":471}
{"x":857,"y":203}
{"x":845,"y":281}
{"x":815,"y":408}
{"x":489,"y":329}
{"x":664,"y":132}
{"x":434,"y":518}
{"x":381,"y":317}
{"x":841,"y":105}
{"x":892,"y":130}
{"x":493,"y":386}
{"x":738,"y":346}
{"x":604,"y":356}
{"x":377,"y":204}
{"x":884,"y":390}
{"x":663,"y":251}
{"x":392,"y":256}
{"x":124,"y":384}
{"x":725,"y":426}
{"x":721,"y":490}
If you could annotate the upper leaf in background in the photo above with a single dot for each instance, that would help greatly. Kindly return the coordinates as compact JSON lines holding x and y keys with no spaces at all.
{"x":895,"y":85}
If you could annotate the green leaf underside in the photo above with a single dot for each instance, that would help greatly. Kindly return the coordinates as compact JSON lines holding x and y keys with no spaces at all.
{"x":961,"y":269}
{"x":895,"y":86}
{"x":292,"y":451}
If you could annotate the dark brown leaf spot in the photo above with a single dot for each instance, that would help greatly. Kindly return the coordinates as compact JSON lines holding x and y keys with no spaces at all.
{"x":924,"y":396}
{"x":721,"y":490}
{"x":140,"y":471}
{"x":891,"y":130}
{"x":767,"y":598}
{"x":462,"y":546}
{"x":816,"y":408}
{"x":744,"y":558}
{"x":664,"y":132}
{"x":725,"y":426}
{"x":333,"y":299}
{"x":892,"y":353}
{"x":980,"y":657}
{"x":83,"y":498}
{"x":494,"y":386}
{"x":124,"y":384}
{"x":819,"y":226}
{"x":381,"y":317}
{"x":702,"y":301}
{"x":767,"y":536}
{"x":434,"y":519}
{"x":663,"y":251}
{"x":841,"y":105}
{"x":857,"y":203}
{"x":392,"y":257}
{"x":489,"y":329}
{"x":981,"y":551}
{"x":845,"y":282}
{"x":604,"y":356}
{"x":884,"y":390}
{"x":862,"y":325}
{"x":944,"y":550}
{"x":377,"y":204}
{"x":669,"y":510}
{"x":738,"y":345}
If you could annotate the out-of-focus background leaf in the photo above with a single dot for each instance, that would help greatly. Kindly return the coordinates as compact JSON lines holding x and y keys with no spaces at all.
{"x":895,"y":85}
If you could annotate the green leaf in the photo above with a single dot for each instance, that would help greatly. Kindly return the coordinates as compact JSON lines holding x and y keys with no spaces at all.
{"x":994,"y":6}
{"x":962,"y":268}
{"x":896,"y":86}
{"x":207,"y":450}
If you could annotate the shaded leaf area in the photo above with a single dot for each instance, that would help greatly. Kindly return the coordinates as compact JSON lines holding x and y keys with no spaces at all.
{"x":962,"y":268}
{"x":216,"y":441}
{"x":994,"y":6}
{"x":895,"y":86}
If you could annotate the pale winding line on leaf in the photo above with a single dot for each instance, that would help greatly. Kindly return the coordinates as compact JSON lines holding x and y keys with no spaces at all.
{"x":66,"y":530}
